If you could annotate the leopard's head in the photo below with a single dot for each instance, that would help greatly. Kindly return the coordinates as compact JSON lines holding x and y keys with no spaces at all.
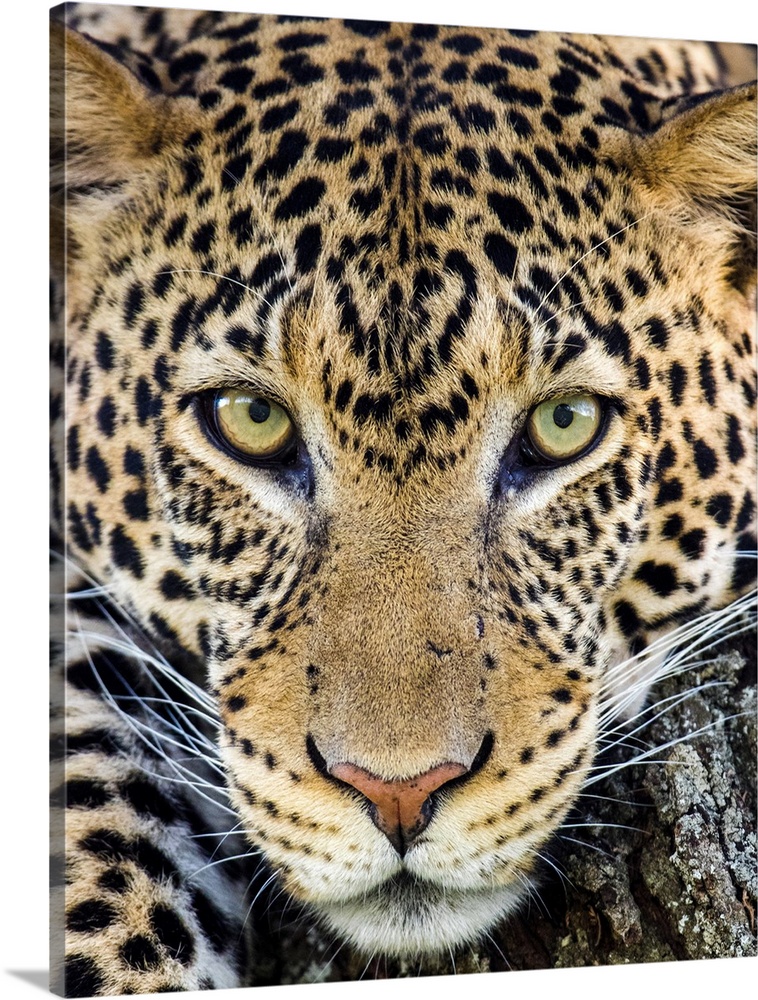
{"x":409,"y":408}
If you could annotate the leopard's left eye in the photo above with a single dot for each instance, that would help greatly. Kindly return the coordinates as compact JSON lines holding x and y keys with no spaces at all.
{"x":563,"y":428}
{"x":251,"y":427}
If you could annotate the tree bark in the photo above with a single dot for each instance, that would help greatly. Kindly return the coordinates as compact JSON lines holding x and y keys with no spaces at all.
{"x":665,"y":870}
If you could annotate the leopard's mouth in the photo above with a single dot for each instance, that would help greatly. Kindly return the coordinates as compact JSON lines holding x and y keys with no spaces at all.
{"x":407,"y":916}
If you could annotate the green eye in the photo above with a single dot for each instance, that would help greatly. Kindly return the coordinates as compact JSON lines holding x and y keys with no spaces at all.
{"x":563,"y":427}
{"x":252,"y":426}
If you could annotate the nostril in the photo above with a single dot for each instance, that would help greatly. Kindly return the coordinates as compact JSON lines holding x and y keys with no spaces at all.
{"x":400,"y":809}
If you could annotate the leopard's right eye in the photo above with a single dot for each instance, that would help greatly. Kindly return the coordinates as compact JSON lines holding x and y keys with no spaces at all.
{"x":563,"y":428}
{"x":251,"y":427}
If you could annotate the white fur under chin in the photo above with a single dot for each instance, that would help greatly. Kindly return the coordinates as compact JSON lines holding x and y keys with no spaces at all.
{"x":405,"y":918}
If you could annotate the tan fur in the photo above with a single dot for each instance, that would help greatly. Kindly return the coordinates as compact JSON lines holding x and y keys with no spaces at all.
{"x":428,"y":592}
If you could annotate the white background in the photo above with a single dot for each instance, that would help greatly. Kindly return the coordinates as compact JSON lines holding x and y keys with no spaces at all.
{"x":23,"y":487}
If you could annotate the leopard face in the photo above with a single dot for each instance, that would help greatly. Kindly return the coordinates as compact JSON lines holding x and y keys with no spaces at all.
{"x":410,"y":392}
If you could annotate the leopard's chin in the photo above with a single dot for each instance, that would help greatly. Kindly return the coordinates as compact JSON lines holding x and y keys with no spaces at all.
{"x":406,"y":917}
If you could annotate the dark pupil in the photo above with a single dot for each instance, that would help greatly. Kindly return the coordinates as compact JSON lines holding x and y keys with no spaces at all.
{"x":259,"y":410}
{"x":562,"y":415}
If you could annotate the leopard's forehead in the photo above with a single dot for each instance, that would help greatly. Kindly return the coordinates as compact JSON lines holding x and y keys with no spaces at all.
{"x":402,"y":216}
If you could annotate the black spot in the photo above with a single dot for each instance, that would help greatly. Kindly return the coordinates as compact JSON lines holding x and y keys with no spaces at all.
{"x":174,"y":587}
{"x":301,"y":40}
{"x":366,"y":202}
{"x":158,"y":866}
{"x":705,"y":376}
{"x":659,"y":577}
{"x":134,"y":462}
{"x":735,"y":447}
{"x":172,"y":933}
{"x":135,"y":299}
{"x":499,"y":167}
{"x":501,"y":252}
{"x":526,"y":755}
{"x":616,"y":339}
{"x":240,"y":52}
{"x":746,"y":511}
{"x":487,"y":73}
{"x":301,"y":70}
{"x":438,"y":216}
{"x":626,"y":618}
{"x":455,"y":72}
{"x":517,"y":57}
{"x":135,"y":505}
{"x":279,"y":115}
{"x":187,"y":63}
{"x":175,"y":231}
{"x":744,"y":574}
{"x":308,"y":248}
{"x":146,"y":800}
{"x":86,"y":794}
{"x":182,"y":323}
{"x":343,"y":394}
{"x":463,"y":44}
{"x":73,"y":453}
{"x":234,"y":170}
{"x":203,"y":237}
{"x":106,"y":416}
{"x":706,"y":459}
{"x":106,"y":844}
{"x":303,"y":197}
{"x":271,"y":88}
{"x":125,"y":552}
{"x":719,"y":507}
{"x":91,"y":915}
{"x":290,"y":150}
{"x":672,"y":526}
{"x":677,"y":382}
{"x":237,"y":79}
{"x":113,"y":879}
{"x":231,"y":118}
{"x":104,"y":351}
{"x":98,"y":469}
{"x":692,"y":543}
{"x":669,"y":491}
{"x":92,"y":739}
{"x":642,"y":372}
{"x":332,"y":150}
{"x":139,"y":952}
{"x":512,"y":213}
{"x":568,"y":203}
{"x":82,"y":977}
{"x":657,"y":333}
{"x":431,"y":140}
{"x":562,"y":695}
{"x":355,"y":71}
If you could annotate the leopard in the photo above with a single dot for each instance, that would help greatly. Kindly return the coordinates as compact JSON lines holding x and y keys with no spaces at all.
{"x":403,"y":400}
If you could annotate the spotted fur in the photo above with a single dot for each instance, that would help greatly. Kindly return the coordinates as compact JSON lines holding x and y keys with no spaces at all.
{"x":408,"y":237}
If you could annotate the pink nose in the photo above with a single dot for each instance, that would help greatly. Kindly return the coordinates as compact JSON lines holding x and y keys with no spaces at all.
{"x":401,"y":809}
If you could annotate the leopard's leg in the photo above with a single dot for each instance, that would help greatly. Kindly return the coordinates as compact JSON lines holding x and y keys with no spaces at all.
{"x":147,"y":902}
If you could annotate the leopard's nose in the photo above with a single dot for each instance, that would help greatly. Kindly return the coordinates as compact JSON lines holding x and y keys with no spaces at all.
{"x":400,"y":809}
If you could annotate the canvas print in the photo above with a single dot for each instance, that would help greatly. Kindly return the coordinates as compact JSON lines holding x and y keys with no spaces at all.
{"x":403,"y":457}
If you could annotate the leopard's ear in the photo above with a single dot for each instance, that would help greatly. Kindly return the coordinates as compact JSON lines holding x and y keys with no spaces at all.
{"x":106,"y":124}
{"x":700,"y":167}
{"x":705,"y":150}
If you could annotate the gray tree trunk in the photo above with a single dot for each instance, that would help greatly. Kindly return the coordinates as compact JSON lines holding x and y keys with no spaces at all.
{"x":666,"y":869}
